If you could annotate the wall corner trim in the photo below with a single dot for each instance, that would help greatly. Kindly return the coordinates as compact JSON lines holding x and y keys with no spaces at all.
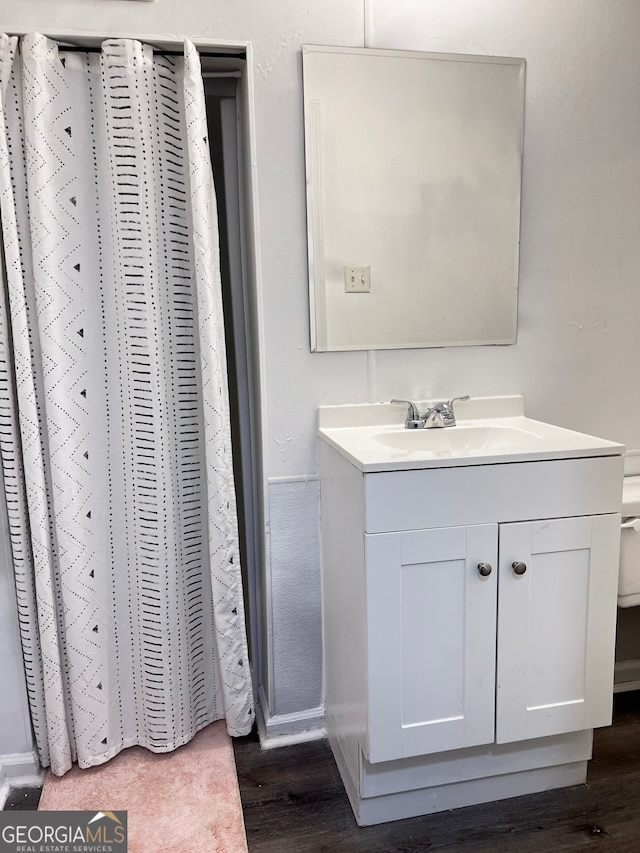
{"x":19,"y":770}
{"x":287,"y":729}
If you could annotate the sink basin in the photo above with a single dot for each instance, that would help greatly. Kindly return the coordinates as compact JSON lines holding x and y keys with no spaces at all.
{"x":490,"y":430}
{"x":461,"y":439}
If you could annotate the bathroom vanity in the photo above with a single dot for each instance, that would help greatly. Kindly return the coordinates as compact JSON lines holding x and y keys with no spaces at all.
{"x":469,"y":603}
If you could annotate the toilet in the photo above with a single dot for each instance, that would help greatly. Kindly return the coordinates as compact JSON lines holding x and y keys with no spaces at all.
{"x":627,"y":667}
{"x":629,"y":577}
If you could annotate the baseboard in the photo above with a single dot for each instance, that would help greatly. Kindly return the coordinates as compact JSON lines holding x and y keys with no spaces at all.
{"x":21,"y":770}
{"x":277,"y":730}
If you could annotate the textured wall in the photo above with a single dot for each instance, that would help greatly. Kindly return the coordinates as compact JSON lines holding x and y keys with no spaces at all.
{"x":295,"y":590}
{"x":579,"y":336}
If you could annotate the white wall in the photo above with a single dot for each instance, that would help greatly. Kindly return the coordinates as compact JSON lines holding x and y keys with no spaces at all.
{"x":579,"y":316}
{"x":579,"y":311}
{"x":15,"y":730}
{"x":16,"y":740}
{"x":579,"y":299}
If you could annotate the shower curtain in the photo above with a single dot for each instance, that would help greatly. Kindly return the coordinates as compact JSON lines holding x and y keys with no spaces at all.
{"x":114,"y":424}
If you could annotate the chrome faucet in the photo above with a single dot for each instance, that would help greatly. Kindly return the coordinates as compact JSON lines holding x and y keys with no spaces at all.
{"x":440,"y":415}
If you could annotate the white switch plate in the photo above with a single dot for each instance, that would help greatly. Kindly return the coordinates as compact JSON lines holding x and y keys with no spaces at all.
{"x":357,"y":279}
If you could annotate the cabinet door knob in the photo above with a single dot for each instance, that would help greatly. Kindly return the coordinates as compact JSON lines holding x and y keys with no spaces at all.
{"x":485,"y":569}
{"x":519,"y":568}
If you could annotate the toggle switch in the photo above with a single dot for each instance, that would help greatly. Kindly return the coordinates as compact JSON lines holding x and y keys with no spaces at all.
{"x":357,"y":279}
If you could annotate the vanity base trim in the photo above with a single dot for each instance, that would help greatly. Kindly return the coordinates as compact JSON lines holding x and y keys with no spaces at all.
{"x":483,"y":787}
{"x":442,"y":798}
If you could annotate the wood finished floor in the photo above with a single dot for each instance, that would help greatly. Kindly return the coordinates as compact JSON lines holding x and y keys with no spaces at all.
{"x":21,"y":799}
{"x":294,"y":802}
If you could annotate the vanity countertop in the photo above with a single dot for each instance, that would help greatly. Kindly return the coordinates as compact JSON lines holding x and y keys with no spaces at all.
{"x":489,"y":431}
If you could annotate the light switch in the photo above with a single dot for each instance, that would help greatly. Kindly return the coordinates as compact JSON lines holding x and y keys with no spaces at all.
{"x":357,"y":279}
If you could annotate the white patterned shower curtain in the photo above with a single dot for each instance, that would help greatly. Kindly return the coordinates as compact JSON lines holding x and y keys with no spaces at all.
{"x":114,"y":423}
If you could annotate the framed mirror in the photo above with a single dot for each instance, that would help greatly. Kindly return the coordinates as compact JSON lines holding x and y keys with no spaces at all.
{"x":413,"y":167}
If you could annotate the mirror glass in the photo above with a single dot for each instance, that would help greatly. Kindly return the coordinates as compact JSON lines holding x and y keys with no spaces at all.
{"x":413,"y":165}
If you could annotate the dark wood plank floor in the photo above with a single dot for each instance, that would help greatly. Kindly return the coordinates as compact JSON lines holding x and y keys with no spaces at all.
{"x":294,"y":802}
{"x":23,"y":799}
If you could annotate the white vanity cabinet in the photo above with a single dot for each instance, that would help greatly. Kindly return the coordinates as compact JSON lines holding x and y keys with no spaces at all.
{"x":452,"y":678}
{"x":434,"y":628}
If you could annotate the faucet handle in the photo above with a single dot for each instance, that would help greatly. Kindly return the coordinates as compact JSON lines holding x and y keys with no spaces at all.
{"x":413,"y":413}
{"x":447,"y":409}
{"x":455,"y":400}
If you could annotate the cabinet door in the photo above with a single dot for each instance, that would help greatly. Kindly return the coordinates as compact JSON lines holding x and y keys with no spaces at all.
{"x":556,"y":626}
{"x":431,"y":633}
